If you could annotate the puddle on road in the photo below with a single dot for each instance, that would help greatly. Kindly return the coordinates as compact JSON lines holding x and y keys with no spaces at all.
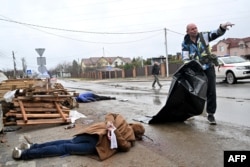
{"x":153,"y":99}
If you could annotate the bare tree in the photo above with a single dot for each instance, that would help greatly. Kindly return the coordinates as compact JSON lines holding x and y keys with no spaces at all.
{"x":24,"y":64}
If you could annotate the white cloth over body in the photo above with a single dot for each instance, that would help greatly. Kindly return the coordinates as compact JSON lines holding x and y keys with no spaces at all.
{"x":113,"y":140}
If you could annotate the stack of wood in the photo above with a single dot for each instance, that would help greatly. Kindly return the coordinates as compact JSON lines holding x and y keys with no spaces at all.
{"x":37,"y":102}
{"x":12,"y":84}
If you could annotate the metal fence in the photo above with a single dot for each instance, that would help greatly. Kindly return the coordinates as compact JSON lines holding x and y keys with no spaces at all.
{"x":130,"y":73}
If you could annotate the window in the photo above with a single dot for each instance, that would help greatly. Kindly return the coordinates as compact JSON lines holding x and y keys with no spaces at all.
{"x":221,"y":48}
{"x":241,"y":46}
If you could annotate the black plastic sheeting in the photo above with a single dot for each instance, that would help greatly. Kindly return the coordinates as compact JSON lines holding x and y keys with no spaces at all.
{"x":187,"y":95}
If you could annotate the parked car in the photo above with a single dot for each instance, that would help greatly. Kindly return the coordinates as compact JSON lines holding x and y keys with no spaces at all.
{"x":233,"y":68}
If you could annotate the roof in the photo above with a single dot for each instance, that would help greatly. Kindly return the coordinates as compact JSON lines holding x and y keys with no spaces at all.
{"x":90,"y":61}
{"x":232,"y":42}
{"x":93,"y":60}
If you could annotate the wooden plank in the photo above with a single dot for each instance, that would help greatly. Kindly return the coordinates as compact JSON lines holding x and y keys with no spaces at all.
{"x":14,"y":113}
{"x":23,"y":111}
{"x":64,"y":109}
{"x":8,"y":114}
{"x":53,"y":95}
{"x":40,"y":115}
{"x":42,"y":121}
{"x":37,"y":109}
{"x":49,"y":99}
{"x":60,"y":111}
{"x":35,"y":104}
{"x":9,"y":123}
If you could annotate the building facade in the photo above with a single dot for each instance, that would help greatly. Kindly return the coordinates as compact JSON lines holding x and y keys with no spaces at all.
{"x":103,"y":62}
{"x":233,"y":47}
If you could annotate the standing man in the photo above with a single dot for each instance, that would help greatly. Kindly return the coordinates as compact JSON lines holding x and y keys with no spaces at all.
{"x":155,"y":73}
{"x":196,"y":47}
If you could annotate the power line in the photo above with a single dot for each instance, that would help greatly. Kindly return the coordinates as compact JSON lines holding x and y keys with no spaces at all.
{"x":175,"y":32}
{"x":79,"y":31}
{"x":79,"y":40}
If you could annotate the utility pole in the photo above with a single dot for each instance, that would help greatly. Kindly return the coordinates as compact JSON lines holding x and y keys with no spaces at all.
{"x":24,"y":66}
{"x":14,"y":62}
{"x":103,"y":52}
{"x":142,"y":61}
{"x":166,"y":47}
{"x":79,"y":68}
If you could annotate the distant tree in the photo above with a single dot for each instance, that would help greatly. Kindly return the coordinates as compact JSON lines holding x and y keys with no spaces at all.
{"x":137,"y":62}
{"x":147,"y":62}
{"x":75,"y":69}
{"x":60,"y":68}
{"x":127,"y":66}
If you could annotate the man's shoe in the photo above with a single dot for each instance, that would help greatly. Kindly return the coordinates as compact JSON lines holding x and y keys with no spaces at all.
{"x":16,"y":154}
{"x":211,"y":119}
{"x":24,"y":146}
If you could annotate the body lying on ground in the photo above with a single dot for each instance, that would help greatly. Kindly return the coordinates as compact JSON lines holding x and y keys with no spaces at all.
{"x":103,"y":139}
{"x":91,"y":97}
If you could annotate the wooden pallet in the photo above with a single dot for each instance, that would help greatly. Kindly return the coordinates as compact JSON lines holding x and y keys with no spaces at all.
{"x":9,"y":85}
{"x":38,"y":104}
{"x":29,"y":112}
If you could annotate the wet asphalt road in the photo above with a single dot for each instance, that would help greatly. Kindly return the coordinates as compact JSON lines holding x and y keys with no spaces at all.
{"x":193,"y":143}
{"x":233,"y":101}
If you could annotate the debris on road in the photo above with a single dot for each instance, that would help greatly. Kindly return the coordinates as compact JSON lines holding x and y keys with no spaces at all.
{"x":36,"y":101}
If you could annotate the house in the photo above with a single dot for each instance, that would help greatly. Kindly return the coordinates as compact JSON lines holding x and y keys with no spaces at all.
{"x":101,"y":62}
{"x":160,"y":60}
{"x":233,"y":47}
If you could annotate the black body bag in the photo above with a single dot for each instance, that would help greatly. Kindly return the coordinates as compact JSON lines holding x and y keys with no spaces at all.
{"x":187,"y":95}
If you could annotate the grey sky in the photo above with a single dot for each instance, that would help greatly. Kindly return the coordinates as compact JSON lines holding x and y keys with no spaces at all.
{"x":87,"y":27}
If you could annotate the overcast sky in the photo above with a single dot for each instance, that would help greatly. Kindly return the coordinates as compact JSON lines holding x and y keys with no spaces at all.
{"x":75,"y":29}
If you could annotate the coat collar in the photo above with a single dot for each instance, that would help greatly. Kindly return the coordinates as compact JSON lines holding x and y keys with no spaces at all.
{"x":187,"y":39}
